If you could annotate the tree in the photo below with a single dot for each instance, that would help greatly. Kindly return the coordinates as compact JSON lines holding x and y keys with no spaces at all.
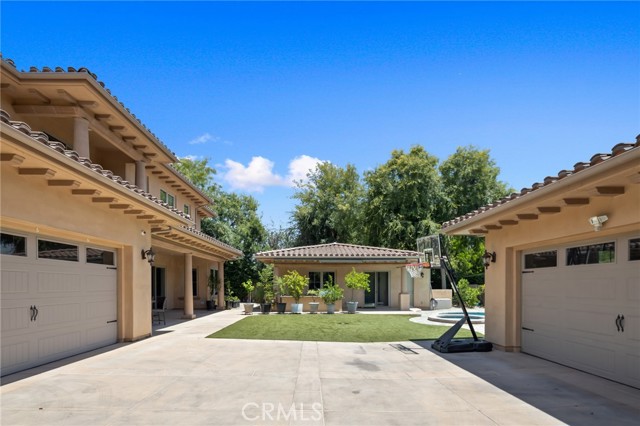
{"x":330,"y":206}
{"x":237,"y":223}
{"x":403,"y":199}
{"x":470,"y":180}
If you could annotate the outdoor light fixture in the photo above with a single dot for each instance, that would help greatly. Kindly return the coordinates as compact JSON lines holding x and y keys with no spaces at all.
{"x":488,"y":258}
{"x":597,"y":221}
{"x":150,"y":255}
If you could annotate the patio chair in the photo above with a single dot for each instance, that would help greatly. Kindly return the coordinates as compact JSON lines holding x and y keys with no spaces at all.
{"x":157,"y":314}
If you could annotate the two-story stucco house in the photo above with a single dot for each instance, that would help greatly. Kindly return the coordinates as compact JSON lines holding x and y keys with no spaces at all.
{"x":87,"y":191}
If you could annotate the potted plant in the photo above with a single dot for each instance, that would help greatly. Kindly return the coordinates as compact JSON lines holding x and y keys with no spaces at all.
{"x":231,"y":300}
{"x":281,"y":306}
{"x":249,"y":287}
{"x":213,"y":285}
{"x":313,"y":306}
{"x":355,"y":281}
{"x":330,"y":294}
{"x":264,"y":288}
{"x":294,"y":285}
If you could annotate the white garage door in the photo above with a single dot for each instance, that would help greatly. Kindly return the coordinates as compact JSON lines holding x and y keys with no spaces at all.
{"x":58,"y":299}
{"x":581,"y":306}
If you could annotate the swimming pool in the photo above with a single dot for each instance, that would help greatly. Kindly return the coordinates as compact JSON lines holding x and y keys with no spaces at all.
{"x":452,"y":317}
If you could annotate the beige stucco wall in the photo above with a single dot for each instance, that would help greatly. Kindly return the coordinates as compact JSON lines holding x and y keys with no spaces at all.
{"x":397,"y":280}
{"x":29,"y":205}
{"x":503,"y":278}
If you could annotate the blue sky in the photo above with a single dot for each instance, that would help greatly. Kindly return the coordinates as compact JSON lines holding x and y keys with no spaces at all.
{"x":266,"y":89}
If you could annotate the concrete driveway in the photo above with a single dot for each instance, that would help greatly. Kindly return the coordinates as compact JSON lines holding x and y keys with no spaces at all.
{"x":180,"y":378}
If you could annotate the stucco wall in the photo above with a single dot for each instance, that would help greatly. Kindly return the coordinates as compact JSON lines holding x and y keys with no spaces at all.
{"x":397,"y":279}
{"x":30,"y":205}
{"x":503,"y":278}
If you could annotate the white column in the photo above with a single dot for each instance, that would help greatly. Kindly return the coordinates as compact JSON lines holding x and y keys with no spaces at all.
{"x":221,"y":286}
{"x":188,"y":287}
{"x":141,"y":176}
{"x":81,"y":136}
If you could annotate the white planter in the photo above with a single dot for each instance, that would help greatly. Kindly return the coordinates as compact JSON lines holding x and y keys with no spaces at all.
{"x":248,"y":308}
{"x":331,"y":308}
{"x":296,"y":308}
{"x":351,"y":307}
{"x":313,"y":307}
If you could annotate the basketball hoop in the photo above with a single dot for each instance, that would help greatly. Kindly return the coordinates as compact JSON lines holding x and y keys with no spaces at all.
{"x":415,"y":269}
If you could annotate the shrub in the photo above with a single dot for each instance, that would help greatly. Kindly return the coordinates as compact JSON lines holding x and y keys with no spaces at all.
{"x":469,"y":294}
{"x":294,"y":284}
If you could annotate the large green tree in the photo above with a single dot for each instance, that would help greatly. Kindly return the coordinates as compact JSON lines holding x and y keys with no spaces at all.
{"x":470,"y":180}
{"x":237,"y":223}
{"x":329,"y":208}
{"x":404,"y":199}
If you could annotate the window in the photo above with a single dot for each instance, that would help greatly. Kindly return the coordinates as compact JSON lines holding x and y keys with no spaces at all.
{"x":543,"y":259}
{"x":167,"y":198}
{"x":13,"y":245}
{"x":57,"y":251}
{"x":100,"y":257}
{"x":194,"y":279}
{"x":317,"y":280}
{"x":591,"y":254}
{"x":187,"y":210}
{"x":634,"y":249}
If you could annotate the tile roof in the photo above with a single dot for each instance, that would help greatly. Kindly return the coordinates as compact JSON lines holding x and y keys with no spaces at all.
{"x":596,"y":159}
{"x":60,"y":148}
{"x":338,"y":251}
{"x":84,"y":70}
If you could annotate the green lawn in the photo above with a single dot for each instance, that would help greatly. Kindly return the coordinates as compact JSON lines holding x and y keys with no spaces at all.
{"x":333,"y":328}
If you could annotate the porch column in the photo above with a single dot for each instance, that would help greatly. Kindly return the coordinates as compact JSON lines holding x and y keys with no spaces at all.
{"x":141,"y":177}
{"x":81,"y":136}
{"x":188,"y":287}
{"x":221,"y":285}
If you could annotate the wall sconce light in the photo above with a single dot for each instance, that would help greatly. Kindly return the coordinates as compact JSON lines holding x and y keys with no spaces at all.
{"x":488,"y":258}
{"x":149,"y":255}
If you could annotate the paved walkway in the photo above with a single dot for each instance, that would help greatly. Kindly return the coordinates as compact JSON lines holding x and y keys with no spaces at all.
{"x":180,"y":378}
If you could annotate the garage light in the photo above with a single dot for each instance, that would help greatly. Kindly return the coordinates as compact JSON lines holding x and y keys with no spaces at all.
{"x":488,"y":258}
{"x":150,"y":255}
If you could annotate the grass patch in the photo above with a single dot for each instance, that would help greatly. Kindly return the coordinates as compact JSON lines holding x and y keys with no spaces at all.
{"x":333,"y":328}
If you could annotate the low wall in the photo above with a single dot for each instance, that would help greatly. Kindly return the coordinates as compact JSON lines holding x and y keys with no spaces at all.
{"x":305,"y":300}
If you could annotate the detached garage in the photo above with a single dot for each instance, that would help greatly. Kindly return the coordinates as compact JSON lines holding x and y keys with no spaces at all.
{"x":69,"y":291}
{"x":565,"y":284}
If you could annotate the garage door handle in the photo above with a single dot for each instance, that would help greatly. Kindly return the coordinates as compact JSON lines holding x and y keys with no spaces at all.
{"x":528,"y":329}
{"x":109,"y":322}
{"x":37,"y":312}
{"x":622,"y":323}
{"x":618,"y":323}
{"x":33,"y":312}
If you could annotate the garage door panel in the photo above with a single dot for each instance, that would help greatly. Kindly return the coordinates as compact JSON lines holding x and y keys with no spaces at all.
{"x":14,"y":282}
{"x":572,"y":310}
{"x":16,"y":319}
{"x":16,"y":356}
{"x":62,"y":344}
{"x":591,"y":356}
{"x":56,"y":282}
{"x":54,"y":314}
{"x":75,"y":302}
{"x":590,"y":322}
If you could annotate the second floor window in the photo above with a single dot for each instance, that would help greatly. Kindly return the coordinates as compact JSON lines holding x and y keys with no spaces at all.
{"x":187,"y":210}
{"x":167,"y":198}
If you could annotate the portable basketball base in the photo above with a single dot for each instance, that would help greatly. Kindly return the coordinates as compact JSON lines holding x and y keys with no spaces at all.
{"x":436,"y":257}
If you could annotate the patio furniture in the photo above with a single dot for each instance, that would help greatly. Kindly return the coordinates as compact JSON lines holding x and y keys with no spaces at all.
{"x":158,"y":314}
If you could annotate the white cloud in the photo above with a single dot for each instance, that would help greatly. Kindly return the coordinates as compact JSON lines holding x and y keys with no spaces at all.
{"x":299,"y":167}
{"x":204,"y":138}
{"x":259,"y":174}
{"x":191,"y":157}
{"x":254,"y":177}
